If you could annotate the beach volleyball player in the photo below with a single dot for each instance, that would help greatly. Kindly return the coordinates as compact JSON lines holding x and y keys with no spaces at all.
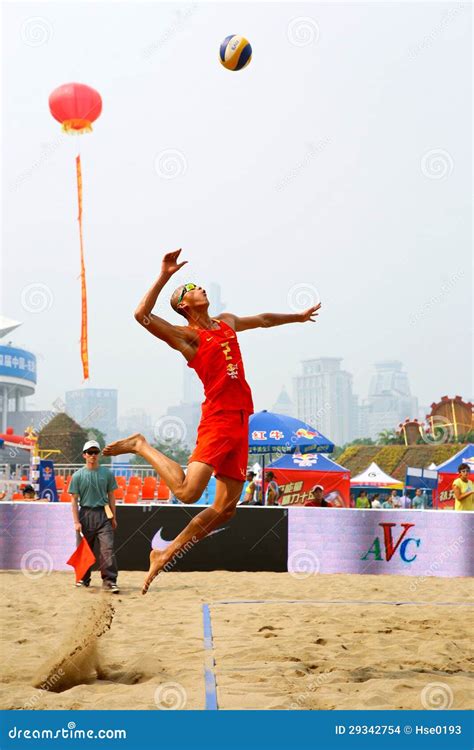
{"x":211,"y":348}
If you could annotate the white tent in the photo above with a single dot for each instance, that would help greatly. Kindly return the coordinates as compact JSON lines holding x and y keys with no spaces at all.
{"x":375,"y":477}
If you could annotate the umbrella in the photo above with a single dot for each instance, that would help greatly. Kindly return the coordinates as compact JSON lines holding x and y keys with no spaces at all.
{"x":274,"y":434}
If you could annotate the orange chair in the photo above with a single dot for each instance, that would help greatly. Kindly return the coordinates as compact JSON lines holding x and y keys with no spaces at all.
{"x":68,"y":481}
{"x":119,"y":493}
{"x":135,"y":480}
{"x":131,"y":497}
{"x":149,"y":488}
{"x":17,"y":496}
{"x":66,"y":497}
{"x":163,"y":491}
{"x":60,"y":484}
{"x":122,"y":482}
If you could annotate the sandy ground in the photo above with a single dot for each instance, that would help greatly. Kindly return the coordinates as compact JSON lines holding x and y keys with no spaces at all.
{"x":268,"y":656}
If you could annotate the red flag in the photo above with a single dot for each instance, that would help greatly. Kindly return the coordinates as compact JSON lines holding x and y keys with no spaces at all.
{"x":82,"y":559}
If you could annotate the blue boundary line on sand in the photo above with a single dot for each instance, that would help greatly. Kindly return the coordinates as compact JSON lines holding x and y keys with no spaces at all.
{"x":209,"y":663}
{"x":343,"y":601}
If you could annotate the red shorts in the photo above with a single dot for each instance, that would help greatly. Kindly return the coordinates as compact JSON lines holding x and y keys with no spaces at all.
{"x":223,"y":443}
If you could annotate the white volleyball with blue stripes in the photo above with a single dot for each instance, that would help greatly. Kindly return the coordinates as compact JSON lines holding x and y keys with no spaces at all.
{"x":235,"y":52}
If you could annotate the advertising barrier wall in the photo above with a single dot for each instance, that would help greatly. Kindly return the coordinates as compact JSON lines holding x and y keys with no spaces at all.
{"x":254,"y":539}
{"x":414,"y":543}
{"x":36,"y":536}
{"x":42,"y":535}
{"x":325,"y":540}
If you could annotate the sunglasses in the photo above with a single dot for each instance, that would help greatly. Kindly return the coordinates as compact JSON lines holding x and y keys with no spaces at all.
{"x":186,"y":288}
{"x":92,"y":452}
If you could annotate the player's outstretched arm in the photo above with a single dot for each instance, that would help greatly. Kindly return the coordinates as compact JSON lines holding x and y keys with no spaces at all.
{"x":178,"y":337}
{"x":269,"y":320}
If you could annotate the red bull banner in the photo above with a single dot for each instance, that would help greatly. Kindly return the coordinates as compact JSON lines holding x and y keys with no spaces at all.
{"x":47,"y":482}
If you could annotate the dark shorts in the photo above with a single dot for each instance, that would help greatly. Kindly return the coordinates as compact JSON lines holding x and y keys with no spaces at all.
{"x":222,"y":442}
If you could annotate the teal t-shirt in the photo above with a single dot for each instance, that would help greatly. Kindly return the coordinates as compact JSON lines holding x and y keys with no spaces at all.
{"x":92,"y":486}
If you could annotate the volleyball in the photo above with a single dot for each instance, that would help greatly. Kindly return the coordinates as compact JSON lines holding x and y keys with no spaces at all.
{"x":235,"y":52}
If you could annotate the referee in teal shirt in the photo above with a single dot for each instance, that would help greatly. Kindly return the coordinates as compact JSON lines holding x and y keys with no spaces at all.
{"x":93,"y":509}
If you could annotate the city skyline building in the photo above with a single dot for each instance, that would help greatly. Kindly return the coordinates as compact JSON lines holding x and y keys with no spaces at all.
{"x":389,"y":401}
{"x":284,"y":404}
{"x":17,"y":375}
{"x":94,"y":407}
{"x":324,"y":398}
{"x":136,"y":420}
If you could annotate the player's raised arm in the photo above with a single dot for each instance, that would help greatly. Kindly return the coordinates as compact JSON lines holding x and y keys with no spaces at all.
{"x":268,"y":320}
{"x":178,"y":337}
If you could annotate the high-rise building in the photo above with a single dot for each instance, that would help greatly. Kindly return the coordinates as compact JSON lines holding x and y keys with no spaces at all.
{"x":284,"y":404}
{"x":181,"y":423}
{"x":136,"y":420}
{"x":216,"y":303}
{"x":390,"y":401}
{"x":324,"y":398}
{"x":94,"y":407}
{"x":193,"y":391}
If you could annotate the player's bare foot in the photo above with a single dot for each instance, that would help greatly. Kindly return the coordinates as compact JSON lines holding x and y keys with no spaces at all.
{"x":157,"y":563}
{"x":127,"y":445}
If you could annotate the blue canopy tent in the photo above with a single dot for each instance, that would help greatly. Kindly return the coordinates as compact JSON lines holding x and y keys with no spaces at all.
{"x":297,"y":474}
{"x":318,"y":463}
{"x":447,"y":472}
{"x":273,"y":435}
{"x":465,"y":456}
{"x":421,"y":479}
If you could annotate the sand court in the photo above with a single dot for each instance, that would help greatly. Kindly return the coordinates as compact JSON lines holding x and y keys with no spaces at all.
{"x":318,"y":642}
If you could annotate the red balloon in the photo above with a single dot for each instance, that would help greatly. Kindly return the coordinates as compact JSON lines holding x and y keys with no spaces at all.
{"x":75,"y":106}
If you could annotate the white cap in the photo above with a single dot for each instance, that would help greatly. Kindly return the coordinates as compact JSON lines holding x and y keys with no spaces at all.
{"x":318,"y":487}
{"x":91,"y":444}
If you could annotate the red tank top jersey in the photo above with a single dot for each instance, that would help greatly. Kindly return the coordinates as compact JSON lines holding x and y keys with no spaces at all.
{"x":218,"y":364}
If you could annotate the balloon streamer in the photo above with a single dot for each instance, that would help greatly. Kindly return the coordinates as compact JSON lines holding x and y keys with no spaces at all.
{"x":84,"y":341}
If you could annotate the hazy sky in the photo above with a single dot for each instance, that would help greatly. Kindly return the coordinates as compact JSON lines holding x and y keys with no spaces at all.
{"x":338,"y":163}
